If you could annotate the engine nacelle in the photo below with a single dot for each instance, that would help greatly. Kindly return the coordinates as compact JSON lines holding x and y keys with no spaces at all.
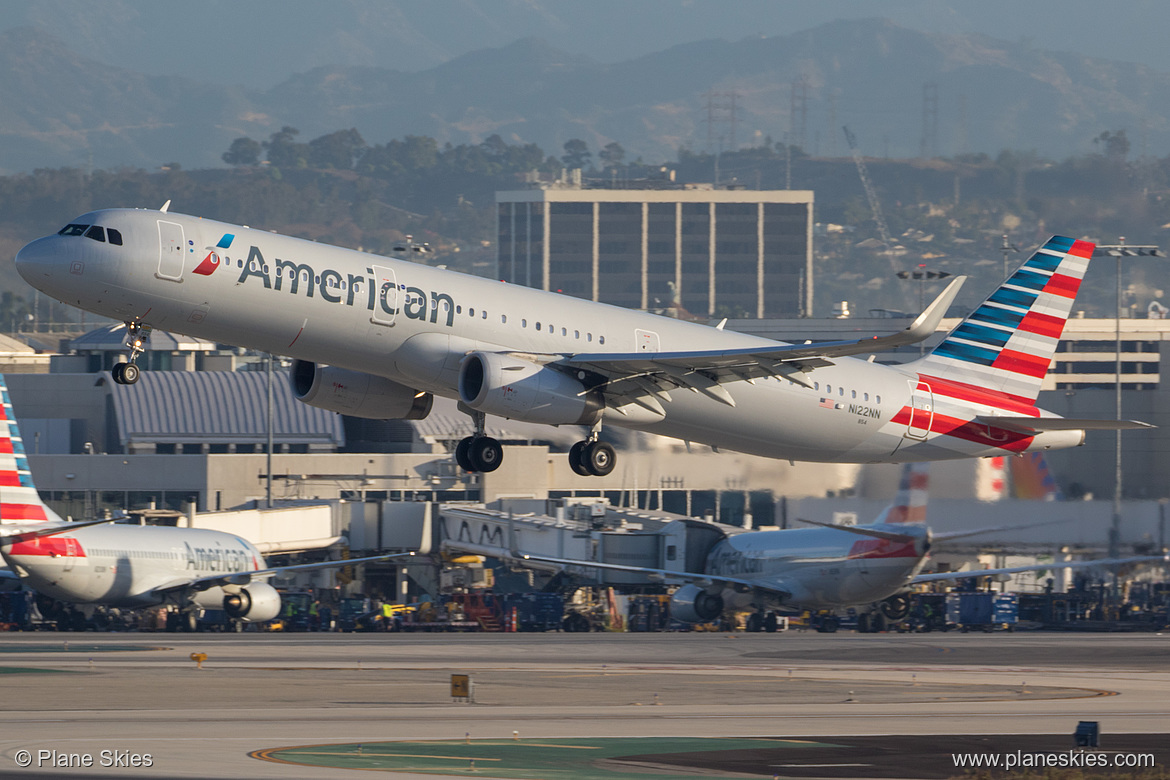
{"x":896,"y":607}
{"x":522,"y":390}
{"x":255,"y":603}
{"x":692,"y":604}
{"x":356,"y":394}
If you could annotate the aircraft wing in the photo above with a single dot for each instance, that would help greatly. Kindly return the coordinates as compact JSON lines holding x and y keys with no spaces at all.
{"x":28,"y":534}
{"x":645,"y":378}
{"x":964,"y":575}
{"x":244,"y":577}
{"x":702,"y":580}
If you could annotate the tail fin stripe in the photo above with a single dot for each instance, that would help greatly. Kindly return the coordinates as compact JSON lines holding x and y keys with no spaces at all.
{"x":997,"y":316}
{"x":1021,"y":363}
{"x":1060,"y":243}
{"x":1010,"y":297}
{"x":1042,"y":324}
{"x":981,"y":334}
{"x":1064,"y":286}
{"x":1044,"y":261}
{"x":966,"y":352}
{"x":1029,"y":280}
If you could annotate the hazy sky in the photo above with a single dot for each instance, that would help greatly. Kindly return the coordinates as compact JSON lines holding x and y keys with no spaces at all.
{"x":259,"y":43}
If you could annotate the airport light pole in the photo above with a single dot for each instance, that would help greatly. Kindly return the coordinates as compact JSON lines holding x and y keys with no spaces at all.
{"x":1118,"y":251}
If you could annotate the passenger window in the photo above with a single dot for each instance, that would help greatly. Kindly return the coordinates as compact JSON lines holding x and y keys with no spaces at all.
{"x":538,"y":326}
{"x":73,"y":230}
{"x":853,"y":393}
{"x":601,"y":339}
{"x":523,"y":323}
{"x":97,"y":233}
{"x":484,"y":315}
{"x":878,"y":398}
{"x":503,"y":319}
{"x":471,"y":312}
{"x":576,"y":334}
{"x":841,"y":391}
{"x":867,"y":396}
{"x":115,"y":236}
{"x":458,"y":309}
{"x":589,"y":337}
{"x":828,"y":388}
{"x":816,"y":385}
{"x":564,"y":331}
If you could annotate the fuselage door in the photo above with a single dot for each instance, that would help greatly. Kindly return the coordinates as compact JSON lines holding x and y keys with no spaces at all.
{"x":385,"y":296}
{"x":70,"y":552}
{"x":646,"y":341}
{"x":921,"y":410}
{"x":171,"y":246}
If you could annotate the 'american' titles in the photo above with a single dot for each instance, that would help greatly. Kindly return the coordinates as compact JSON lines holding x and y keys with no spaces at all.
{"x":336,"y":287}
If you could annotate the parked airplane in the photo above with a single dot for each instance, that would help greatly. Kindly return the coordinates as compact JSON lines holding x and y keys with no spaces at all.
{"x":376,"y":337}
{"x":130,"y":566}
{"x":829,"y":567}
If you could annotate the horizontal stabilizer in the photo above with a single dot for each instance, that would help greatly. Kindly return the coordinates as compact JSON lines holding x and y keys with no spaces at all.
{"x":1028,"y":425}
{"x":966,"y":575}
{"x":37,"y":533}
{"x":863,"y":530}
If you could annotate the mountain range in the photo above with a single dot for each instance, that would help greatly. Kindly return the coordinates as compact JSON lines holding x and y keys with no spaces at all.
{"x":903,"y":93}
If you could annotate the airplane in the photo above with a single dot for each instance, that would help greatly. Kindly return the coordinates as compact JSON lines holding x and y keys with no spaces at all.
{"x":378,"y":337}
{"x":826,"y":568}
{"x":96,"y":563}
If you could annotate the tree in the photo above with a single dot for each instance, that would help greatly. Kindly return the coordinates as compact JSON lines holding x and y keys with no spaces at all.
{"x":337,"y":150}
{"x":1116,"y":145}
{"x":612,"y":155}
{"x":576,"y":154}
{"x":243,"y":151}
{"x":284,"y":152}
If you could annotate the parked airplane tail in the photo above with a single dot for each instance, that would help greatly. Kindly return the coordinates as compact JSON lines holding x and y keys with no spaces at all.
{"x":19,"y":500}
{"x":910,"y":502}
{"x":1007,"y":344}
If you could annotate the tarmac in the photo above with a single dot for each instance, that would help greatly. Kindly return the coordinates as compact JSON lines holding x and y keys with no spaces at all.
{"x":572,"y":706}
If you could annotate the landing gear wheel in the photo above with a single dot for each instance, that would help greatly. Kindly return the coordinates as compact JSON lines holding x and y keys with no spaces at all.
{"x":485,"y":454}
{"x":130,"y":373}
{"x":755,"y":623}
{"x":462,"y":454}
{"x":771,"y":623}
{"x":863,"y":623}
{"x":575,"y":459}
{"x":188,"y":622}
{"x":599,"y":458}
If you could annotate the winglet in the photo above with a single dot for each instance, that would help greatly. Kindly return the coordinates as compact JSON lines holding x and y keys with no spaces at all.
{"x":166,"y":206}
{"x":927,"y":322}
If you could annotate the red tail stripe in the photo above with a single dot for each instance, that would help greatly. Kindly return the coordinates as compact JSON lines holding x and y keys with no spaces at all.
{"x":969,"y":430}
{"x":6,"y":447}
{"x":1082,"y":249}
{"x":9,"y":479}
{"x":22,"y":512}
{"x":1065,"y":286}
{"x":1042,"y":324}
{"x":1021,"y":363}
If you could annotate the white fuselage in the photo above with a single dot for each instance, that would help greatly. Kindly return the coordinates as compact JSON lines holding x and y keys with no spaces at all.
{"x":122,"y":566}
{"x":320,"y":303}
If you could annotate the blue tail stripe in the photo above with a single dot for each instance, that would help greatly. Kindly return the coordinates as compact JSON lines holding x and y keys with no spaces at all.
{"x":1043,"y":261}
{"x":1013,"y":298}
{"x":997,"y":316}
{"x":1028,"y":279}
{"x":1060,"y":243}
{"x":966,"y":352}
{"x":982,"y":334}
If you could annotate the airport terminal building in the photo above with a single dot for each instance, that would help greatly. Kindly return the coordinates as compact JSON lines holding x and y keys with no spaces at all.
{"x":709,"y":252}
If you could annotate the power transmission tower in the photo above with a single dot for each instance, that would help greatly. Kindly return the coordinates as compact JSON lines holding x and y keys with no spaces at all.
{"x":798,"y":116}
{"x":722,"y":119}
{"x":870,"y":194}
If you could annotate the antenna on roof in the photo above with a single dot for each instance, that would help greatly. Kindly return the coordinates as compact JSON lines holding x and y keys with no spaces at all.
{"x":165,"y":206}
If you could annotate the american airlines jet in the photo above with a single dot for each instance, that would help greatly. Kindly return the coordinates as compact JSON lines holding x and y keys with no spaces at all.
{"x":130,"y":566}
{"x":378,"y":337}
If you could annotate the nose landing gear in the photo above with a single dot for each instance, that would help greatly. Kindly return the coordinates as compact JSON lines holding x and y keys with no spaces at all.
{"x":136,"y":335}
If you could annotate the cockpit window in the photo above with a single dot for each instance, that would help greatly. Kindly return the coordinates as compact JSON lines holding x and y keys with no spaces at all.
{"x":97,"y":233}
{"x":73,"y":230}
{"x":115,"y":236}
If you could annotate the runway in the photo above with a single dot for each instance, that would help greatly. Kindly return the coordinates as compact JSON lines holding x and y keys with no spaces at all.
{"x":266,"y":692}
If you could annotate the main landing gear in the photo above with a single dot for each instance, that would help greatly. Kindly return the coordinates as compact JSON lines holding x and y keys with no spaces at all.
{"x":592,"y":457}
{"x":136,"y":335}
{"x":479,"y":452}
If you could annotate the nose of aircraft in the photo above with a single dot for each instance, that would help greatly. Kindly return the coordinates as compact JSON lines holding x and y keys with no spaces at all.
{"x":36,"y":260}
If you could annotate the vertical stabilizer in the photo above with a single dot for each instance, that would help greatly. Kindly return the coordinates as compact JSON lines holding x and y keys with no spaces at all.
{"x":19,"y":500}
{"x":1007,"y":344}
{"x":910,"y":502}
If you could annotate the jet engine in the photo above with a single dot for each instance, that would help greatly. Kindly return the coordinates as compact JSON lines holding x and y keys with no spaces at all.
{"x":356,"y":394}
{"x":692,"y":604}
{"x":896,"y":607}
{"x":519,"y":389}
{"x":256,"y":603}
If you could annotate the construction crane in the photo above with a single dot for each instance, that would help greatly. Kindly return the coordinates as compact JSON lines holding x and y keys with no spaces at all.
{"x":870,"y":195}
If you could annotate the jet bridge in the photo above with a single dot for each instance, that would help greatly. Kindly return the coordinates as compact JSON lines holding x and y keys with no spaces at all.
{"x":581,"y":529}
